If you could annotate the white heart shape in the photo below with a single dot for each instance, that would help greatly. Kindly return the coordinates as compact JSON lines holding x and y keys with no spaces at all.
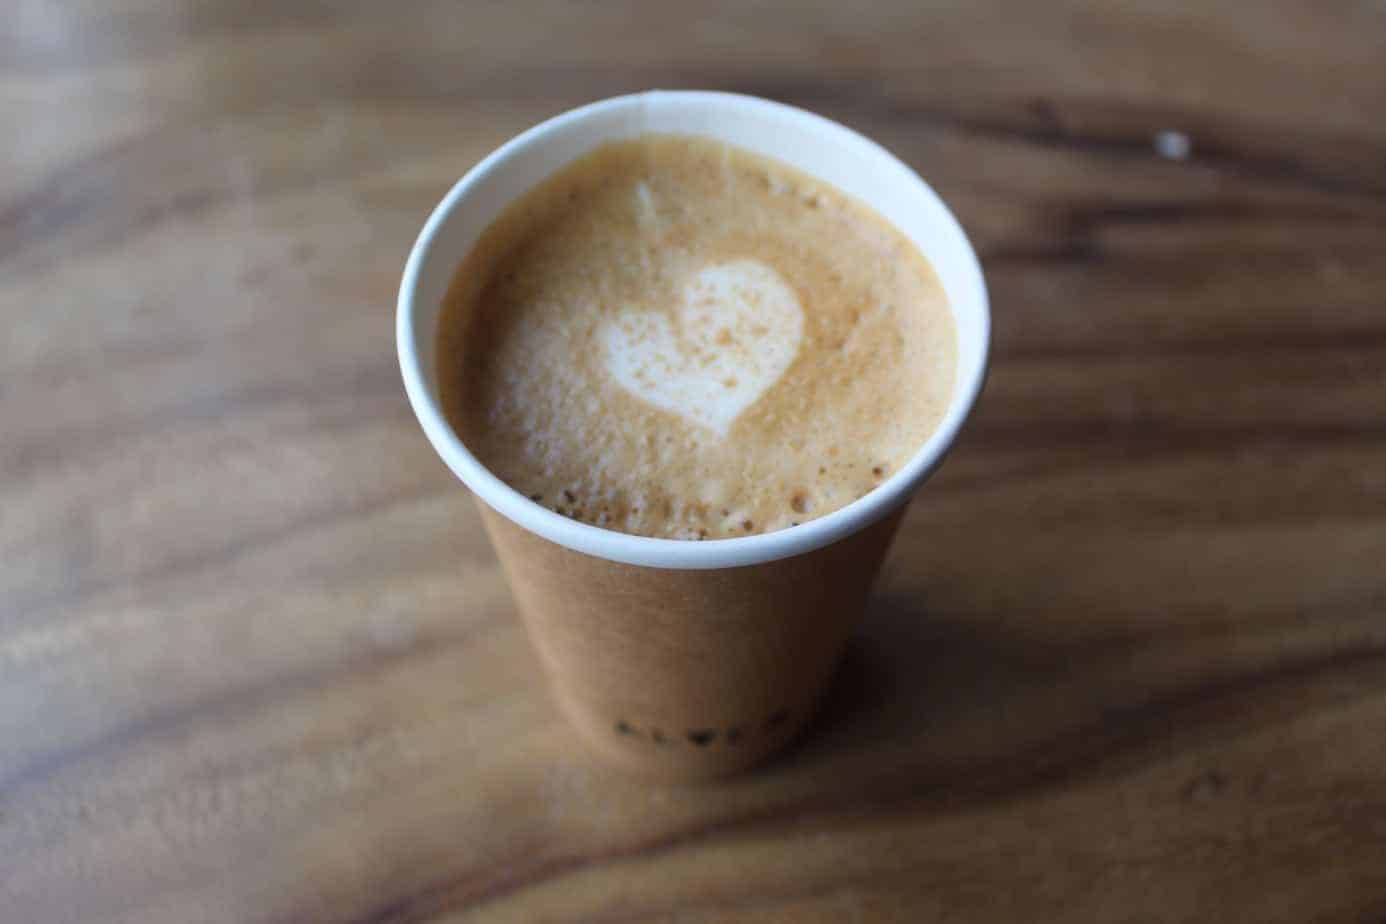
{"x":738,"y":329}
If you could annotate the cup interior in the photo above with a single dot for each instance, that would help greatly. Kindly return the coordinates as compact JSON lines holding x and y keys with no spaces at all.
{"x":813,"y":144}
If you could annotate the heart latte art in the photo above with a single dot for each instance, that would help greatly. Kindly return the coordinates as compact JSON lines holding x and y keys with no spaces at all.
{"x":735,"y":332}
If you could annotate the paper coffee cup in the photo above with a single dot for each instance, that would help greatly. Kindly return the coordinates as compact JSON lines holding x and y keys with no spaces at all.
{"x":678,"y":658}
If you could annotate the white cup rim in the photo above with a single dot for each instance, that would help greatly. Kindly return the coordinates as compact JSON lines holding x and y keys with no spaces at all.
{"x":679,"y":553}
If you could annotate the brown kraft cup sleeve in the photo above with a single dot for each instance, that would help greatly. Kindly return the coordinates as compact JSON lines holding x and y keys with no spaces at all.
{"x":688,"y":673}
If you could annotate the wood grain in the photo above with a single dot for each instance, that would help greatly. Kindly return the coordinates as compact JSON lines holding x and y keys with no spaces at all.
{"x":1128,"y":659}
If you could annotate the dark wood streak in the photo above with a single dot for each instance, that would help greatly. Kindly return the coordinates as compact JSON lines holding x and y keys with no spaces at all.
{"x":1286,"y":344}
{"x":265,"y":692}
{"x":1016,"y":126}
{"x":1097,"y":214}
{"x":26,"y":611}
{"x":117,"y":36}
{"x":83,"y":188}
{"x":108,"y":195}
{"x":1211,"y":150}
{"x":1155,"y":435}
{"x":1120,"y":457}
{"x":346,"y":384}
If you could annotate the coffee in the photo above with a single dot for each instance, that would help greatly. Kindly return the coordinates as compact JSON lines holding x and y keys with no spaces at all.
{"x":674,"y":337}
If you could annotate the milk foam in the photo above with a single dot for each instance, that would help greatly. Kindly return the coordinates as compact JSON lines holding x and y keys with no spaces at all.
{"x":673,"y":337}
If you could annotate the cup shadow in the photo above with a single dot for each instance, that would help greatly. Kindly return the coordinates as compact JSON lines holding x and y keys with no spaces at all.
{"x":952,"y":705}
{"x":932,"y":706}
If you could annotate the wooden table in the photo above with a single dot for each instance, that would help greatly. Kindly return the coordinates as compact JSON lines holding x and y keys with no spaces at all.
{"x":1126,"y":663}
